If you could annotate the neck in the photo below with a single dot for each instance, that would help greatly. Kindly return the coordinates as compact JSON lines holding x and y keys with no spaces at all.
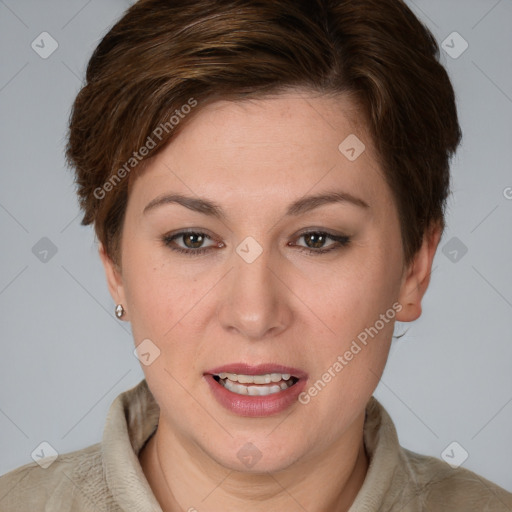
{"x":328,"y":481}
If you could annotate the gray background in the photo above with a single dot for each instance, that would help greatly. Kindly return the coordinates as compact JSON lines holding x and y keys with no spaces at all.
{"x":64,"y":357}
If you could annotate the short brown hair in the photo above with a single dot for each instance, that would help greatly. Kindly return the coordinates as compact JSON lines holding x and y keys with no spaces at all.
{"x":165,"y":54}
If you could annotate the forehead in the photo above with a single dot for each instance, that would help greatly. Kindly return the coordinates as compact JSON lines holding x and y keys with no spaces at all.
{"x":289,"y":124}
{"x":281,"y":147}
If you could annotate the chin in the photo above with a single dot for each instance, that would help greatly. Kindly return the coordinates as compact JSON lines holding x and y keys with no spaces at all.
{"x":258,"y":454}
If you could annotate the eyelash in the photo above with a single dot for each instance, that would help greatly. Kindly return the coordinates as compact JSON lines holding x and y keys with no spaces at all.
{"x":342,"y":241}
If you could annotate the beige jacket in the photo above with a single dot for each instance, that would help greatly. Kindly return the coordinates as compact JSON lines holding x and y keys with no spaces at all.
{"x":107,"y":476}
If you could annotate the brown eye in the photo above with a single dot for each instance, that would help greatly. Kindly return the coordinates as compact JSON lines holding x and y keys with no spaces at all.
{"x":315,"y":242}
{"x":191,"y":242}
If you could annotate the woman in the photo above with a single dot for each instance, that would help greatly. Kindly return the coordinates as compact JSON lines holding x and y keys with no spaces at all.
{"x":267,"y":180}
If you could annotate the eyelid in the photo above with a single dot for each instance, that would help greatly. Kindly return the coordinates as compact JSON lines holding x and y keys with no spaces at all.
{"x":340,"y":241}
{"x":173,"y":235}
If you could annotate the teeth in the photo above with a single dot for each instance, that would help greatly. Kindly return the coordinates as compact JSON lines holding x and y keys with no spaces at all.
{"x":240,"y":389}
{"x":237,"y":383}
{"x":255,"y":379}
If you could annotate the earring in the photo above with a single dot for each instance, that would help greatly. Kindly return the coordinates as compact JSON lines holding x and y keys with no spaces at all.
{"x":119,"y":311}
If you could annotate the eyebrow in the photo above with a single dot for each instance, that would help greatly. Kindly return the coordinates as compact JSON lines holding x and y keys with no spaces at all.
{"x":299,"y":207}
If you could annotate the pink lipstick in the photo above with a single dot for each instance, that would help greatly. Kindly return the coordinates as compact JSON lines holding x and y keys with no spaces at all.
{"x":255,"y":390}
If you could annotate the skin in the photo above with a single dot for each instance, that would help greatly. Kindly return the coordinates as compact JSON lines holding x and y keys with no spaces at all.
{"x":254,"y":158}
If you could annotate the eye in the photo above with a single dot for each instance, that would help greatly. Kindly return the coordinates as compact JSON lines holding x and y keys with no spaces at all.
{"x":192,"y":242}
{"x":315,"y":242}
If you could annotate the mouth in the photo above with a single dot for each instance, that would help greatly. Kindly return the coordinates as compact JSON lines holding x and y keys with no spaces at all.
{"x":256,"y":385}
{"x":260,"y":390}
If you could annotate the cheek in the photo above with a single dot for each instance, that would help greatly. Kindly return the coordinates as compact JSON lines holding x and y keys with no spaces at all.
{"x":165,"y":306}
{"x":358,"y":294}
{"x":348,"y":364}
{"x":149,"y":292}
{"x":359,"y":308}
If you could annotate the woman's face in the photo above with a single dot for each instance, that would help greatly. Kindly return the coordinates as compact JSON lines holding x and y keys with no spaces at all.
{"x":273,"y":282}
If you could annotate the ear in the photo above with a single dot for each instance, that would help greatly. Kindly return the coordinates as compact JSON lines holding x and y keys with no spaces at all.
{"x":417,"y":276}
{"x":114,"y":279}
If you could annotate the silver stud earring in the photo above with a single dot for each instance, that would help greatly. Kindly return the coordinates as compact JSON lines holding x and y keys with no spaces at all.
{"x":119,"y":311}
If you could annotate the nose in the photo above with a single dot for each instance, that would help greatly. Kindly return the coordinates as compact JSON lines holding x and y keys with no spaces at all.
{"x":255,"y":299}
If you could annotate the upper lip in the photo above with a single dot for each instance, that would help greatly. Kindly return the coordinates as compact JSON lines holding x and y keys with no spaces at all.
{"x":258,"y":369}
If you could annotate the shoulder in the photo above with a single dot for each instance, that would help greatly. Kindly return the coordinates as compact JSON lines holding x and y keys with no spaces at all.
{"x":402,"y":480}
{"x":438,"y":486}
{"x":74,"y":481}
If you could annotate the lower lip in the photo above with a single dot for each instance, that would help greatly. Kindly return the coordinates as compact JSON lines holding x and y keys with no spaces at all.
{"x":255,"y":406}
